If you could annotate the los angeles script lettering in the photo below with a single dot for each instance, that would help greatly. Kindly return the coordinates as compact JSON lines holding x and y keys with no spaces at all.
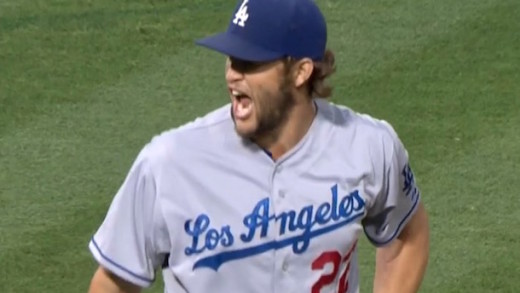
{"x":344,"y":209}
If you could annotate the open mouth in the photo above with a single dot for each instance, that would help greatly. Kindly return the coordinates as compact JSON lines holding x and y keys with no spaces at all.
{"x":238,"y":95}
{"x":242,"y":105}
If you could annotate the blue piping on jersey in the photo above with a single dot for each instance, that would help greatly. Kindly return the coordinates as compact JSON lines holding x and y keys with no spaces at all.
{"x":118,"y":265}
{"x":381,"y":243}
{"x":214,"y":261}
{"x":268,"y":153}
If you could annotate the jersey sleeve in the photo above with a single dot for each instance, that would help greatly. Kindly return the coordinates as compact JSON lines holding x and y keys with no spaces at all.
{"x":398,"y":197}
{"x":127,"y":242}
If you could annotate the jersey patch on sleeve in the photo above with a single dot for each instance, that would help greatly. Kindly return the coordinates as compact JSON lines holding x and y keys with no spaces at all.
{"x":409,"y":187}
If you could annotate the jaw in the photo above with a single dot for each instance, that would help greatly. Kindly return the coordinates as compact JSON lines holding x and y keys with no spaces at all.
{"x":246,"y":127}
{"x":253,"y":130}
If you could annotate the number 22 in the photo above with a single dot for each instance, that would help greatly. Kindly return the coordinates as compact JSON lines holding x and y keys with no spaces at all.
{"x":333,"y":257}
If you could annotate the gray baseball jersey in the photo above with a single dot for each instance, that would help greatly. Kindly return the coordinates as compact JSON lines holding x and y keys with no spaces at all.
{"x":217,"y":214}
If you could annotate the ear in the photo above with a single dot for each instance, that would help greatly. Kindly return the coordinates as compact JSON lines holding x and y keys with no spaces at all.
{"x":302,"y":71}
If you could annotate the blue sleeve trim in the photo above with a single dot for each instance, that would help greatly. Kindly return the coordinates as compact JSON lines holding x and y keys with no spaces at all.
{"x":382,"y":243}
{"x":118,"y":265}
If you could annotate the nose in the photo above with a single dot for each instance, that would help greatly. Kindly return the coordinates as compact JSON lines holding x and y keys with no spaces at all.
{"x":232,"y":75}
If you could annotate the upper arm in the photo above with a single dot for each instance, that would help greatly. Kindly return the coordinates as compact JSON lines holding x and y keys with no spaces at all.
{"x":132,"y":240}
{"x":417,"y":225}
{"x":398,"y":197}
{"x":104,"y":281}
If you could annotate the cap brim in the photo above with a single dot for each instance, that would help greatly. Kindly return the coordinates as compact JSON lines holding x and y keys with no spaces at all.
{"x":232,"y":45}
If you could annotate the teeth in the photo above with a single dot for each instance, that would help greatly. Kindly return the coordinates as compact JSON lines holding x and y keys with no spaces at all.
{"x":236,"y":93}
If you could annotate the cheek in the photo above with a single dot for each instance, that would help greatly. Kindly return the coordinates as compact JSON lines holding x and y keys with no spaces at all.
{"x":266,"y":92}
{"x":263,"y":98}
{"x":264,"y":89}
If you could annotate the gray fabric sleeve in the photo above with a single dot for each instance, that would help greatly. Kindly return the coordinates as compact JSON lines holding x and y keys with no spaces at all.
{"x":398,"y":198}
{"x":125,"y":243}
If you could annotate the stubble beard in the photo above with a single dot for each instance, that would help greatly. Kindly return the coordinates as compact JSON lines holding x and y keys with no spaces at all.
{"x":272,"y":114}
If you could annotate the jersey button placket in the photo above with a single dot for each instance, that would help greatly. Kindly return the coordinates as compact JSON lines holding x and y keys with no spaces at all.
{"x":278,"y":192}
{"x":275,"y":192}
{"x":280,"y":259}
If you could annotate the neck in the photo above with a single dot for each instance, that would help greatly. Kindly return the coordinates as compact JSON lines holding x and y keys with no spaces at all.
{"x":299,"y":120}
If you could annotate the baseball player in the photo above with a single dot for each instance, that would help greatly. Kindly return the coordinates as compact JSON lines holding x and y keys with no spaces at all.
{"x":271,"y":192}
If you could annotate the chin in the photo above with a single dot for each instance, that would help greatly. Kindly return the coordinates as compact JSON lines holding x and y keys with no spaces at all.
{"x":244,"y":132}
{"x":244,"y":129}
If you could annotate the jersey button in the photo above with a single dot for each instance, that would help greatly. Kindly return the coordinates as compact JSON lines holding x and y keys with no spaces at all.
{"x":285,"y":267}
{"x":281,"y":194}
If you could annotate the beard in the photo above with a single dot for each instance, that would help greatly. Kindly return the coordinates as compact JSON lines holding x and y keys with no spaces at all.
{"x":272,"y":112}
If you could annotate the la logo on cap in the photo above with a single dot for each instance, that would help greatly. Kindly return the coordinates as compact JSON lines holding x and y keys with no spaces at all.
{"x":241,"y":16}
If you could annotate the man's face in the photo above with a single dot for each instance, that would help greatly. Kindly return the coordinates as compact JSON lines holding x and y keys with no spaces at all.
{"x":260,"y":95}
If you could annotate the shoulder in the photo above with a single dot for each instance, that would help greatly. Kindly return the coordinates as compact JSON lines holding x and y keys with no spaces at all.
{"x":362,"y":138}
{"x":359,"y":126}
{"x":191,"y":137}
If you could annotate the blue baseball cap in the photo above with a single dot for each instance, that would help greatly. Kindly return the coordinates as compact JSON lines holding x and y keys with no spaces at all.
{"x":265,"y":30}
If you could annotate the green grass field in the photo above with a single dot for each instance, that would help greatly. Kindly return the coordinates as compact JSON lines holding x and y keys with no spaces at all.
{"x":85,"y":84}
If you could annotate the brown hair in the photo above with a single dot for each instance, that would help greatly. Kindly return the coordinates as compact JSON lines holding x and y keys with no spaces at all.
{"x":316,"y":86}
{"x":322,"y":70}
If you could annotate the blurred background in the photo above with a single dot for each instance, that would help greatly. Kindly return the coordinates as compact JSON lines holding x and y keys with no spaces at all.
{"x":85,"y":84}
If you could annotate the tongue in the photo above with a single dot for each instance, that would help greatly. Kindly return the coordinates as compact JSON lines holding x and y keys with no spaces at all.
{"x":243,"y":108}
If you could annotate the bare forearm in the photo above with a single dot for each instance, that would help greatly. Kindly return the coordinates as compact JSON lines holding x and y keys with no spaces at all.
{"x":400,"y":268}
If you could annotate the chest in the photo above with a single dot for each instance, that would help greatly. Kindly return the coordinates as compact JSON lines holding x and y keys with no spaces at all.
{"x":221,"y":213}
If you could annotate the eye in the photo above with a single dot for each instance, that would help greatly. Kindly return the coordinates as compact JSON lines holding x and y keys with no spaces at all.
{"x":245,"y":66}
